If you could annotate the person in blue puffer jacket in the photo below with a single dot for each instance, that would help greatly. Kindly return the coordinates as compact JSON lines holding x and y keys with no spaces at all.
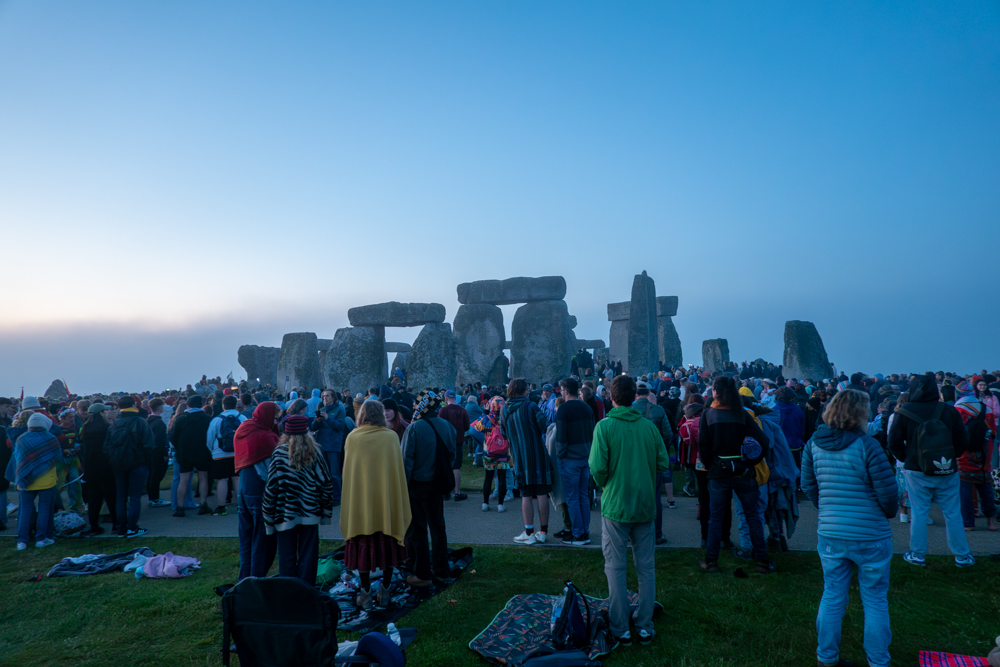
{"x":847,"y":476}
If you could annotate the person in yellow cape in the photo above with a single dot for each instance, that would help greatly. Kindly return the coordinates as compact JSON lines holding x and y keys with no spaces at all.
{"x":375,"y":509}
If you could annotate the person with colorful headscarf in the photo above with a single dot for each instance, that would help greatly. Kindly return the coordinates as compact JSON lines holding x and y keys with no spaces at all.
{"x":420,"y":445}
{"x":495,"y":461}
{"x":974,"y":464}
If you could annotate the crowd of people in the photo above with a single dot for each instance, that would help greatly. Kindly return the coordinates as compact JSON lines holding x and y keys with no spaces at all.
{"x":863,"y":449}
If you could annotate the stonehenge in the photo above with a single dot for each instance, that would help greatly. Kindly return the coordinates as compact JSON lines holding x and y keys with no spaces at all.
{"x":298,"y":362}
{"x":356,"y":360}
{"x":432,"y":361}
{"x":395,"y":314}
{"x":541,"y":341}
{"x":805,"y":356}
{"x":260,"y":363}
{"x":513,"y":290}
{"x":643,"y":356}
{"x":668,"y":342}
{"x":714,"y":353}
{"x":624,"y":332}
{"x":479,"y":340}
{"x":56,"y":390}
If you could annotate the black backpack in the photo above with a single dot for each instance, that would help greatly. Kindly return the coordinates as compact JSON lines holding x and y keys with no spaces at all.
{"x":570,"y":628}
{"x":120,"y":447}
{"x":935,"y":451}
{"x":227,"y":431}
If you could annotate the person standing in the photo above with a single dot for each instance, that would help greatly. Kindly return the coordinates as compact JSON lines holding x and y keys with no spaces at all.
{"x":573,"y":437}
{"x":253,"y":446}
{"x":974,"y":464}
{"x":645,"y":404}
{"x":220,"y":442}
{"x":458,"y":417}
{"x":420,"y":447}
{"x":158,"y":460}
{"x":496,"y":462}
{"x":944,"y":434}
{"x":329,"y":428}
{"x":298,"y":497}
{"x":189,"y":437}
{"x":523,"y":425}
{"x":100,"y":480}
{"x":35,"y":454}
{"x":847,"y":476}
{"x":129,"y":445}
{"x":625,"y":459}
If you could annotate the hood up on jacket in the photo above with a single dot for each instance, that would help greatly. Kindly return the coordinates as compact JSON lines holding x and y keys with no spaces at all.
{"x":924,"y":389}
{"x":834,"y":439}
{"x":624,"y":413}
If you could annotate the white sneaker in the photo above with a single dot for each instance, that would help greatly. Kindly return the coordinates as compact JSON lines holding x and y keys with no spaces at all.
{"x":44,"y":543}
{"x":509,"y":497}
{"x":21,"y":546}
{"x":904,"y":518}
{"x":11,"y":508}
{"x":501,"y":508}
{"x":539,"y":537}
{"x":486,"y":507}
{"x":524,"y":538}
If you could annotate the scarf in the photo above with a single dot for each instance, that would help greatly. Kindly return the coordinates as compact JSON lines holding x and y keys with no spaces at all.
{"x":257,"y":437}
{"x":719,"y":406}
{"x":35,"y":452}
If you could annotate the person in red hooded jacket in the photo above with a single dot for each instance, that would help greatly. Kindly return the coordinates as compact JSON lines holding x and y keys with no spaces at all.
{"x":253,"y":445}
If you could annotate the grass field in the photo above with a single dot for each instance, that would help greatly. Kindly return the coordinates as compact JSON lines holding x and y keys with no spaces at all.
{"x":116,"y":620}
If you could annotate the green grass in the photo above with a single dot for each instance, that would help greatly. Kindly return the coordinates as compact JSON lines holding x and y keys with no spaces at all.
{"x":114,"y":619}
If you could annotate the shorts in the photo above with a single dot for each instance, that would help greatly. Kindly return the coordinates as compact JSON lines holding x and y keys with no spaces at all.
{"x":459,"y":453}
{"x":197,"y":458}
{"x":224,"y":468}
{"x":535,"y":490}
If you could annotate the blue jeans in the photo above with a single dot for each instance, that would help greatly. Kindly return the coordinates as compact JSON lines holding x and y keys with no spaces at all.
{"x":968,"y":493}
{"x":721,"y":495}
{"x":129,"y":487}
{"x":745,"y":543}
{"x":925,"y":489}
{"x":298,"y":553}
{"x":333,"y":460}
{"x":575,"y":474}
{"x":43,"y":525}
{"x":257,"y":548}
{"x":839,"y":558}
{"x":188,"y":497}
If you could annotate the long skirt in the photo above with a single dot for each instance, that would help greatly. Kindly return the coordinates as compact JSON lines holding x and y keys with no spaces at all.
{"x":367,"y":553}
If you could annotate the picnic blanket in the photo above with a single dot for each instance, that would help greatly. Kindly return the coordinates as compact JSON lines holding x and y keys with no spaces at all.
{"x":96,"y":563}
{"x":938,"y":659}
{"x":404,"y":597}
{"x":521,"y":631}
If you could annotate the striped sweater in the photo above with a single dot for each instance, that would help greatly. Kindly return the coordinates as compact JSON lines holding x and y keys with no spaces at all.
{"x":296,"y":497}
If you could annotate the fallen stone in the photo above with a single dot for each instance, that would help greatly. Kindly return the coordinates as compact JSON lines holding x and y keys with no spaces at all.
{"x":357,"y":359}
{"x":397,"y":347}
{"x":56,"y":390}
{"x":666,"y":306}
{"x":643,"y":355}
{"x":805,"y":356}
{"x":260,"y":363}
{"x":513,"y":290}
{"x":395,"y":314}
{"x":432,"y":361}
{"x":298,"y":363}
{"x":541,"y":342}
{"x":713,"y":353}
{"x":479,"y":339}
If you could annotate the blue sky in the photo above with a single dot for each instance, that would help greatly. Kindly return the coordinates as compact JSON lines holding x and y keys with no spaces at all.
{"x":177,"y":179}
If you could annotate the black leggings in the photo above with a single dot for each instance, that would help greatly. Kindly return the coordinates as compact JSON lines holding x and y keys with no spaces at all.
{"x":102,"y":490}
{"x":366,"y":581}
{"x":501,"y":485}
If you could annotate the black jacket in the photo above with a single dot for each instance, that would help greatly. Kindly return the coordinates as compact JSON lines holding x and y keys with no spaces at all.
{"x":721,"y":433}
{"x":190,"y":432}
{"x":159,"y":428}
{"x":924,"y":399}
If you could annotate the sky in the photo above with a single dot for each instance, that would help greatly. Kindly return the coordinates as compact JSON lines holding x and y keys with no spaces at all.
{"x":178,"y":179}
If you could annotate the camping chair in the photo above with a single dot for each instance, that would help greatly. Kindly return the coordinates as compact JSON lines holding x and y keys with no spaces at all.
{"x":281,"y":621}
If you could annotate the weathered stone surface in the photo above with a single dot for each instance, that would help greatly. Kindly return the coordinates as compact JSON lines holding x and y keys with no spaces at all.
{"x":498,"y":373}
{"x":643,"y":356}
{"x":713,"y":353}
{"x":601,"y":354}
{"x":541,"y":342}
{"x":397,"y":347}
{"x":513,"y":290}
{"x":323,"y":344}
{"x":299,"y":362}
{"x":666,"y":306}
{"x":400,"y":361}
{"x":479,"y":338}
{"x":356,"y":360}
{"x":395,"y":314}
{"x":260,"y":362}
{"x":56,"y":390}
{"x":618,"y":338}
{"x":669,"y":343}
{"x":805,"y":356}
{"x":589,"y":344}
{"x":432,"y":361}
{"x":619,"y":311}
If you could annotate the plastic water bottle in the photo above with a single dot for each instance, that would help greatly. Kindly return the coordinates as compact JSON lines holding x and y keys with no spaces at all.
{"x":394,"y":634}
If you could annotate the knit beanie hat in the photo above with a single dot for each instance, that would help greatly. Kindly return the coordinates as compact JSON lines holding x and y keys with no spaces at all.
{"x":38,"y":420}
{"x":963,"y":388}
{"x":296,"y":425}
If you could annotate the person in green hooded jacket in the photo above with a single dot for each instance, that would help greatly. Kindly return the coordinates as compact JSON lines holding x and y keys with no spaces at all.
{"x":626,"y":456}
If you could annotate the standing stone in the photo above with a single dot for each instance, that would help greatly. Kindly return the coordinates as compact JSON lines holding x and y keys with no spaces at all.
{"x":395,"y":314}
{"x":400,"y":361}
{"x":299,"y":362}
{"x":432,"y":361}
{"x":479,"y":340}
{"x":541,"y":342}
{"x":498,"y":373}
{"x":669,"y":343}
{"x":513,"y":290}
{"x":643,"y":341}
{"x":618,"y":314}
{"x":356,"y":359}
{"x":805,"y":356}
{"x":713,"y":353}
{"x":397,"y":347}
{"x":56,"y":390}
{"x":260,"y":362}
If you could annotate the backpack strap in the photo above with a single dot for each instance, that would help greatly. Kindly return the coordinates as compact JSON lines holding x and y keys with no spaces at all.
{"x":909,"y":415}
